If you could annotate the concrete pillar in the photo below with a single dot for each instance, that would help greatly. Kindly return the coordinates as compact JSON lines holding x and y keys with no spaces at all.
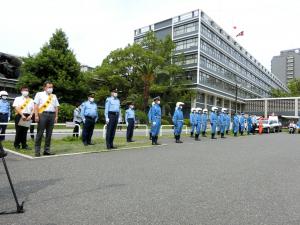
{"x":222,"y":102}
{"x":205,"y":100}
{"x":296,"y":107}
{"x":215,"y":100}
{"x":229,"y":107}
{"x":266,"y":108}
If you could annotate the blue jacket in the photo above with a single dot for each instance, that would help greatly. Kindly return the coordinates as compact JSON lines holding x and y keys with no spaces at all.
{"x":242,"y":121}
{"x":213,"y":117}
{"x":193,"y":118}
{"x":178,"y":116}
{"x":155,"y":113}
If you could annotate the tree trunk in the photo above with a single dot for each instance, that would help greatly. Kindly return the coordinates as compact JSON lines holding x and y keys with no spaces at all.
{"x":146,"y":94}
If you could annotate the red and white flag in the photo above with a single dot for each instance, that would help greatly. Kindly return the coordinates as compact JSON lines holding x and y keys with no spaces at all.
{"x":240,"y":34}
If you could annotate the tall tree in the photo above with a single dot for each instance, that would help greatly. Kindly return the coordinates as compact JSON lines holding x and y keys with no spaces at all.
{"x":294,"y":90}
{"x":55,"y":62}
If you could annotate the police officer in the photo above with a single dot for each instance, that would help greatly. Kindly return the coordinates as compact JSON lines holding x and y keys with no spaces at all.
{"x":228,"y":120}
{"x":112,"y":111}
{"x":249,"y":124}
{"x":193,"y":121}
{"x":89,"y":115}
{"x":46,"y":114}
{"x":235,"y":126}
{"x":130,"y":121}
{"x":178,"y":121}
{"x":4,"y":113}
{"x":149,"y":120}
{"x":242,"y":123}
{"x":156,"y":120}
{"x":223,"y":122}
{"x":204,"y":122}
{"x":24,"y":107}
{"x":219,"y":123}
{"x":213,"y":121}
{"x":198,"y":123}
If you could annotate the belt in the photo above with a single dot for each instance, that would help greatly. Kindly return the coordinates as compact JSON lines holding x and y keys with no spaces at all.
{"x":90,"y":117}
{"x":158,"y":117}
{"x":48,"y":112}
{"x":130,"y":118}
{"x":113,"y":113}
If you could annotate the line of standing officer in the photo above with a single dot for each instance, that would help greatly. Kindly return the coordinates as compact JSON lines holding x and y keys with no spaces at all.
{"x":112,"y":111}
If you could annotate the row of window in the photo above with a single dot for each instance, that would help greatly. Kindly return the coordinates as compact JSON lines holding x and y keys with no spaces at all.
{"x":215,"y":68}
{"x":186,"y":60}
{"x":226,"y":60}
{"x":187,"y":28}
{"x":225,"y":46}
{"x":186,"y":44}
{"x":278,"y":105}
{"x":218,"y":84}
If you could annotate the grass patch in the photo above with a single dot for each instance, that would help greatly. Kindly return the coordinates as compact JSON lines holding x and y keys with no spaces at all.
{"x":74,"y":145}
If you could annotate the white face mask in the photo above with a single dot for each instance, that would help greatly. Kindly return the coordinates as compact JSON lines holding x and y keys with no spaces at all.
{"x":49,"y":90}
{"x":91,"y":99}
{"x":115,"y":95}
{"x":158,"y":102}
{"x":132,"y":107}
{"x":4,"y":97}
{"x":25,"y":93}
{"x":180,"y":106}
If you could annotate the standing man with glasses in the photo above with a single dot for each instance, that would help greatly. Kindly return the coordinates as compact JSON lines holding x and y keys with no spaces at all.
{"x":46,"y":114}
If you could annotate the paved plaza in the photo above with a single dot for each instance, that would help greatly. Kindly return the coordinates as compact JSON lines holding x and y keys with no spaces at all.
{"x":246,"y":180}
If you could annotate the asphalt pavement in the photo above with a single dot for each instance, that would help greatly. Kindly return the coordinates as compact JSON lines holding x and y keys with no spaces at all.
{"x":235,"y":181}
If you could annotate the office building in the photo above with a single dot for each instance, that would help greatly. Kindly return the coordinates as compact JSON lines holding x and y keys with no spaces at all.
{"x":214,"y":61}
{"x":286,"y":66}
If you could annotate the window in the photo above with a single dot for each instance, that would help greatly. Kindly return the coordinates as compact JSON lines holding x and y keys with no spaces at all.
{"x":191,"y":27}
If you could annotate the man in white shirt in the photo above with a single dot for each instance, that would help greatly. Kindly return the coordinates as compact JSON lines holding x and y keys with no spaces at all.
{"x":24,"y":108}
{"x":46,"y":114}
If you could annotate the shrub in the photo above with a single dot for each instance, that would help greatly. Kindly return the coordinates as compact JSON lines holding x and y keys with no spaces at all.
{"x":165,"y":122}
{"x":65,"y":112}
{"x":141,"y":117}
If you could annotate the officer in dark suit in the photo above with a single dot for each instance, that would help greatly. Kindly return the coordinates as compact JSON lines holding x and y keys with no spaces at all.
{"x":112,"y":112}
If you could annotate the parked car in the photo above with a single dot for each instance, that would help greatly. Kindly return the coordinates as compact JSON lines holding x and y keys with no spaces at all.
{"x":275,"y":126}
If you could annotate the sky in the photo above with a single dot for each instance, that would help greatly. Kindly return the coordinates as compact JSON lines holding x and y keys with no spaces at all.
{"x":96,"y":27}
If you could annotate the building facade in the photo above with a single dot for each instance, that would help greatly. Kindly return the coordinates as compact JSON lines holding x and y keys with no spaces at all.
{"x":215,"y":63}
{"x":286,"y":66}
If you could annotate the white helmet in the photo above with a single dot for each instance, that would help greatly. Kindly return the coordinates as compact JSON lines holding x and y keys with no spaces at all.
{"x":224,"y":110}
{"x":198,"y":109}
{"x":214,"y":108}
{"x":3,"y":93}
{"x":193,"y":109}
{"x":205,"y":110}
{"x":179,"y":103}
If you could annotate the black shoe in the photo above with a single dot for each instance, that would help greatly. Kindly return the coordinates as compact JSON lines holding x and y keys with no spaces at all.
{"x":37,"y":154}
{"x":91,"y":143}
{"x":26,"y":148}
{"x":48,"y":153}
{"x":3,"y":154}
{"x":17,"y":147}
{"x":114,"y":147}
{"x":192,"y":134}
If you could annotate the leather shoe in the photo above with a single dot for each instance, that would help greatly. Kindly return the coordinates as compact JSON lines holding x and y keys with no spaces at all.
{"x":114,"y":147}
{"x":91,"y":143}
{"x":48,"y":153}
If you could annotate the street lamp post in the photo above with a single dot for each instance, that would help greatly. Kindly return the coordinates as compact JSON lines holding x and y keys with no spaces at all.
{"x":236,"y":94}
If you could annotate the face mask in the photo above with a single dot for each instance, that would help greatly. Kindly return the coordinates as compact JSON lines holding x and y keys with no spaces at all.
{"x":91,"y":99}
{"x":115,"y":95}
{"x":180,"y":106}
{"x":132,"y":107}
{"x":158,"y":102}
{"x":25,"y":93}
{"x":4,"y":97}
{"x":49,"y":90}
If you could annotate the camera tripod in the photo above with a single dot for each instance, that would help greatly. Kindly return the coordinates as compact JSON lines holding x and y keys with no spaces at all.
{"x":3,"y":154}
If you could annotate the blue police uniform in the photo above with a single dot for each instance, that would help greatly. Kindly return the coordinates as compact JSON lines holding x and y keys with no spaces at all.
{"x":156,"y":122}
{"x":235,"y":126}
{"x":149,"y":120}
{"x":213,"y":123}
{"x":219,"y":123}
{"x":249,"y":125}
{"x":227,"y":123}
{"x":130,"y":120}
{"x":222,"y":122}
{"x":242,"y":124}
{"x":4,"y":116}
{"x":198,"y":126}
{"x":193,"y":122}
{"x":204,"y":124}
{"x":89,"y":115}
{"x":178,"y":123}
{"x":112,"y":111}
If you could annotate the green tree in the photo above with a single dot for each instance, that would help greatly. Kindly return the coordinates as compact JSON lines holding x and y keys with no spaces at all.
{"x":294,"y":90}
{"x":57,"y":63}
